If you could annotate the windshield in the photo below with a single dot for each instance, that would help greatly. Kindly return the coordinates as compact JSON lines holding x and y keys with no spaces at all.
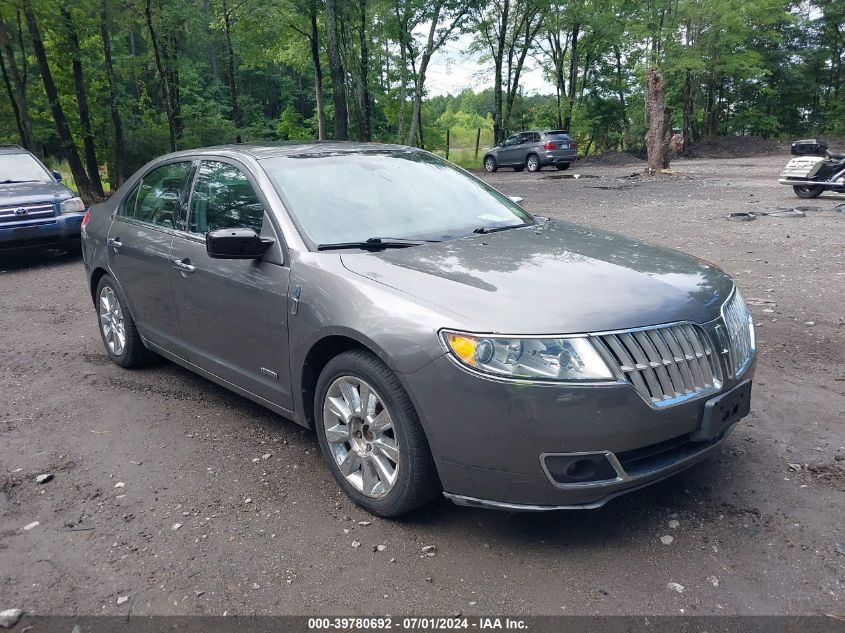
{"x":352,"y":197}
{"x":22,"y":168}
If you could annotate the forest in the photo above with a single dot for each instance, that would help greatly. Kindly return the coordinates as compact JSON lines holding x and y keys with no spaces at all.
{"x":102,"y":86}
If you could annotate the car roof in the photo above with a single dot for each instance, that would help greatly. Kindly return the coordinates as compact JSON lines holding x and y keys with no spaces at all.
{"x":13,"y":149}
{"x":260,"y":151}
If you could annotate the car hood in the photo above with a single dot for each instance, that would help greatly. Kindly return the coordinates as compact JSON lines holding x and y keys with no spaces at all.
{"x":23,"y":192}
{"x":551,"y":278}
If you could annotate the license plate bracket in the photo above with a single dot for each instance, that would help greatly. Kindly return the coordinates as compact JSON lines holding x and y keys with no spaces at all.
{"x":723,"y":411}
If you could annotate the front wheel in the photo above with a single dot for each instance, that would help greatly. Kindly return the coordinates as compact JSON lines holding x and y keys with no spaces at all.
{"x":808,"y":191}
{"x":371,"y":436}
{"x":490,"y":164}
{"x":533,"y":163}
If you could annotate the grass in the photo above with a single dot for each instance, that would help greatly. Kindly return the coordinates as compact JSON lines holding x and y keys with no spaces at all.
{"x":464,"y":157}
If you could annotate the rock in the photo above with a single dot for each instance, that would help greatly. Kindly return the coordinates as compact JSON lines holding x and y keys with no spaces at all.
{"x":10,"y":617}
{"x":713,"y":580}
{"x":43,"y":478}
{"x":247,"y":500}
{"x":379,"y":548}
{"x":256,"y":586}
{"x":29,"y":526}
{"x":175,"y":526}
{"x":674,"y":586}
{"x":741,"y":217}
{"x":120,"y":484}
{"x":356,"y":544}
{"x":809,"y":322}
{"x":122,"y":600}
{"x":199,"y":593}
{"x":666,"y":539}
{"x":429,"y":579}
{"x":364,"y":523}
{"x":795,"y":467}
{"x":674,"y":524}
{"x":266,"y":456}
{"x":429,"y":549}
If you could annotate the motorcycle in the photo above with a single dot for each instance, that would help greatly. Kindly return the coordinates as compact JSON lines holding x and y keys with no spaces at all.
{"x":815,"y":169}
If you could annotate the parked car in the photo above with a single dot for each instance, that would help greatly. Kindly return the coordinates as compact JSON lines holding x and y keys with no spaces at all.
{"x":437,"y":338}
{"x":36,"y":210}
{"x":533,"y":150}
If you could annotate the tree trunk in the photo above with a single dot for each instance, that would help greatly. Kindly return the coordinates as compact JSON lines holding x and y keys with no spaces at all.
{"x":658,"y":139}
{"x":90,"y":151}
{"x":16,"y":85}
{"x":621,"y":91}
{"x":118,"y":174}
{"x":341,"y":110}
{"x":314,"y":41}
{"x":83,"y":185}
{"x":363,"y":80}
{"x":498,"y":59}
{"x":233,"y":88}
{"x":171,"y":100}
{"x":13,"y":100}
{"x":688,"y":113}
{"x":573,"y":78}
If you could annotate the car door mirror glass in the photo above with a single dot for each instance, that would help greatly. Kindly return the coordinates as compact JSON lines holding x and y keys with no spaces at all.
{"x":57,"y":176}
{"x":236,"y":243}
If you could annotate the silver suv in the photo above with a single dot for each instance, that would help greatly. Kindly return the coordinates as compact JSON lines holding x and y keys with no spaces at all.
{"x":533,"y":150}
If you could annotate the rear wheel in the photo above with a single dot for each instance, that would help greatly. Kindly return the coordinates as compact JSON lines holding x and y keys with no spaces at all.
{"x":562,"y":166}
{"x":533,"y":163}
{"x":807,"y":191}
{"x":117,"y":328}
{"x":490,"y":164}
{"x":371,"y":436}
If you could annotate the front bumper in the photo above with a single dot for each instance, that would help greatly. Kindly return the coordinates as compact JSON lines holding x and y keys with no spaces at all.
{"x":490,"y":438}
{"x":61,"y":230}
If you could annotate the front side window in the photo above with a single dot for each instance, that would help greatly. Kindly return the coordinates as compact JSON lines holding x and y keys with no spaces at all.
{"x":338,"y":198}
{"x":22,"y":168}
{"x":224,"y":198}
{"x":159,"y":195}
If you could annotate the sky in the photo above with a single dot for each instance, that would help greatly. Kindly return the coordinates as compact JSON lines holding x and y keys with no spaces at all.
{"x":452,"y":69}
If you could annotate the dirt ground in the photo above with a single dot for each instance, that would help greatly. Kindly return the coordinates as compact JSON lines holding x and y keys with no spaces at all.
{"x":188,"y":499}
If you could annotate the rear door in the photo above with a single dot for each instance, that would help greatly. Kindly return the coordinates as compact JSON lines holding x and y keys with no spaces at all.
{"x":233,"y":312}
{"x":139,"y":243}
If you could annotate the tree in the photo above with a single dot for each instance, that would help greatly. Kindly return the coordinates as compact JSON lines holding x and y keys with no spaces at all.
{"x":15,"y":78}
{"x":117,"y":172}
{"x":90,"y":151}
{"x":338,"y":74}
{"x":83,"y":184}
{"x":658,"y":139}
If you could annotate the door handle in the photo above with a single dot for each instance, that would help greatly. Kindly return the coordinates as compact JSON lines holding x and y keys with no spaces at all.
{"x":183,"y":265}
{"x":115,"y":243}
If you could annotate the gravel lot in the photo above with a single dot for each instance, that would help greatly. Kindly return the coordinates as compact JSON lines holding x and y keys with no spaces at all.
{"x":188,"y":499}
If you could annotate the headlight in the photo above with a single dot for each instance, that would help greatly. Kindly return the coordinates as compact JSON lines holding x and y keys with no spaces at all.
{"x":529,"y":358}
{"x":72,"y":205}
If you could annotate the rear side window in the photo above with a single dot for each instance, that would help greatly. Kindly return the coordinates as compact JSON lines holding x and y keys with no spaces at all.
{"x":224,"y":198}
{"x":158,"y":198}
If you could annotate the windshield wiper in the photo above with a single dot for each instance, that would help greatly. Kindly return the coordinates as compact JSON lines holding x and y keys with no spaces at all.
{"x":375,"y":243}
{"x":495,"y":229}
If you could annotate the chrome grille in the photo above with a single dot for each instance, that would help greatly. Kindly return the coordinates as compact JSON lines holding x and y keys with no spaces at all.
{"x":25,"y":212}
{"x":666,"y":364}
{"x":740,"y":329}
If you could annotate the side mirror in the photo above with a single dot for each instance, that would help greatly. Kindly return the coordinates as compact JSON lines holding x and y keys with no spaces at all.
{"x":516,"y":199}
{"x":236,"y":243}
{"x":57,"y":176}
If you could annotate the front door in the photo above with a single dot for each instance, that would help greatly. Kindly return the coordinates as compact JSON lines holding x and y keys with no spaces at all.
{"x":233,"y":312}
{"x":139,"y":251}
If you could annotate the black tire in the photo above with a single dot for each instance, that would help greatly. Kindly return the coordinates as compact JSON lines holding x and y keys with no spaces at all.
{"x":562,"y":166}
{"x":490,"y":164}
{"x":416,"y":480}
{"x":533,"y":165}
{"x":808,"y":191}
{"x":134,"y":353}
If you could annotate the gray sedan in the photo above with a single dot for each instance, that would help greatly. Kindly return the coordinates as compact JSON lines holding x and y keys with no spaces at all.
{"x":438,"y":339}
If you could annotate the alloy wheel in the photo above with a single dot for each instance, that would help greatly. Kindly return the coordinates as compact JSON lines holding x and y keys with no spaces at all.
{"x":361,"y":436}
{"x":533,"y":163}
{"x":490,"y":165}
{"x":111,"y":321}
